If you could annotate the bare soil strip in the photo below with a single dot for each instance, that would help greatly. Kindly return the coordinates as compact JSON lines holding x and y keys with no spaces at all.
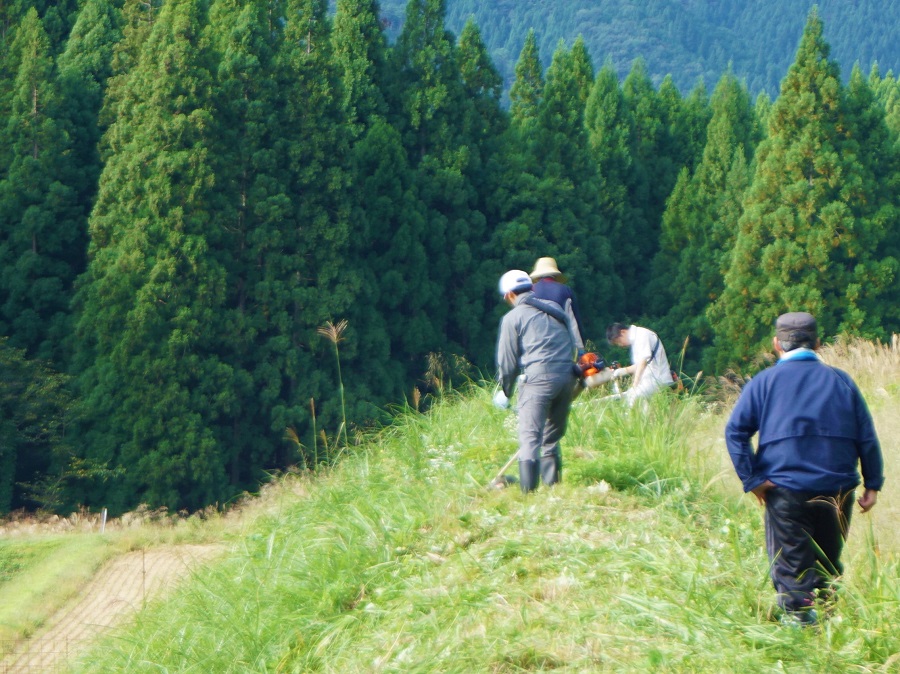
{"x":119,"y":589}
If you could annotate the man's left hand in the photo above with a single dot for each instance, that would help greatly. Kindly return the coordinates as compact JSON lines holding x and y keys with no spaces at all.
{"x":760,"y":491}
{"x":868,"y":500}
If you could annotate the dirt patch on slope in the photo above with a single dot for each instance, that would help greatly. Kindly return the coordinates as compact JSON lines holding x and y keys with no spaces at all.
{"x":121,"y":588}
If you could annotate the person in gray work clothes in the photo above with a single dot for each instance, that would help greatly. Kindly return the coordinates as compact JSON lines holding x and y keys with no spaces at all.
{"x":535,"y":341}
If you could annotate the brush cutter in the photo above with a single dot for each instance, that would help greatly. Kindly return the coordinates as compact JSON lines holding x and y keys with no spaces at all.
{"x":501,"y":480}
{"x":611,"y":397}
{"x":594,"y":370}
{"x":501,"y":402}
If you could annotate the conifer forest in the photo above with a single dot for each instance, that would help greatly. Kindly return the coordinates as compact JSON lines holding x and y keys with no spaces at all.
{"x":232,"y":232}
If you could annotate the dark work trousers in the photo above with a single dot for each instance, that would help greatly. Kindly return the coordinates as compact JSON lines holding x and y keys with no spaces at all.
{"x":805,"y":534}
{"x":543,"y":406}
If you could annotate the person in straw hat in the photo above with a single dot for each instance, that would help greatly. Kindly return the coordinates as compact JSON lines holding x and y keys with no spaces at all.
{"x":550,"y":284}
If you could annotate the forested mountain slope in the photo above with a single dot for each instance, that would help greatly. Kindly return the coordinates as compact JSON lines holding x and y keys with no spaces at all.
{"x":688,"y":39}
{"x":234,"y":232}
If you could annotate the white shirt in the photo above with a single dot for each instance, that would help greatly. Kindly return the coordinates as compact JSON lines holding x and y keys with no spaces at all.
{"x":657,"y":373}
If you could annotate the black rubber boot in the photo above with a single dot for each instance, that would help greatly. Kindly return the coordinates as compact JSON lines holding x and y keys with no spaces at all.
{"x":529,"y":476}
{"x":551,"y":469}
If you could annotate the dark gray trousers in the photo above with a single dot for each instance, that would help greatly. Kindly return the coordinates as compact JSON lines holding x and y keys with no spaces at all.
{"x":805,"y":535}
{"x":543,"y":404}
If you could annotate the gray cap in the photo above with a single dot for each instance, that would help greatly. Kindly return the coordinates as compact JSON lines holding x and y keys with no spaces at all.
{"x":796,"y":326}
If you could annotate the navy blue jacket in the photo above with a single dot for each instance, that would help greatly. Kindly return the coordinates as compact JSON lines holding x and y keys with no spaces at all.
{"x":550,"y":289}
{"x":814,"y":429}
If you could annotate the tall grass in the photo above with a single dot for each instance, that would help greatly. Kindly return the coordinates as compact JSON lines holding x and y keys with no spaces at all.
{"x":334,"y":332}
{"x":400,"y":559}
{"x":876,"y":368}
{"x":649,"y":448}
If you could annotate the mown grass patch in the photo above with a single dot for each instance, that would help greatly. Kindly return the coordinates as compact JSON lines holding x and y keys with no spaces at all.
{"x":17,"y":557}
{"x":40,"y":575}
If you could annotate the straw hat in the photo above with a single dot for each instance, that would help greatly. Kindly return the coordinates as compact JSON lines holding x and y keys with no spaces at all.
{"x":544,"y":267}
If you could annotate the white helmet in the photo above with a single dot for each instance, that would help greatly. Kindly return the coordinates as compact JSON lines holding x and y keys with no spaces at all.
{"x":514,"y":280}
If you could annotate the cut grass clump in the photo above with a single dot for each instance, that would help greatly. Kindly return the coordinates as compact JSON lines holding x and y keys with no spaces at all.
{"x":648,"y":449}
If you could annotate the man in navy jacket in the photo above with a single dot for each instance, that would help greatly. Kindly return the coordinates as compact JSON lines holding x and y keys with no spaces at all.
{"x":814,"y":431}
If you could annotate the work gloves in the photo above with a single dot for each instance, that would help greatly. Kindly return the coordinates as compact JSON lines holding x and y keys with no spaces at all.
{"x":501,"y":402}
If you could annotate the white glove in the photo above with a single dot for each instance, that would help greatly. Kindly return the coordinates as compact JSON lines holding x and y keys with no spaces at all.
{"x":620,"y":372}
{"x":501,"y":402}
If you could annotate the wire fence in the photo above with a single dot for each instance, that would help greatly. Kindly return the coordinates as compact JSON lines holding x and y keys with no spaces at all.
{"x":116,"y":592}
{"x":35,"y":657}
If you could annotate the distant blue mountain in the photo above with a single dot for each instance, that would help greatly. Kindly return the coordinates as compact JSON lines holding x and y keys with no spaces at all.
{"x":688,"y":39}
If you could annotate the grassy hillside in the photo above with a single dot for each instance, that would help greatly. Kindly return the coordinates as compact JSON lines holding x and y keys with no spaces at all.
{"x":647,"y":558}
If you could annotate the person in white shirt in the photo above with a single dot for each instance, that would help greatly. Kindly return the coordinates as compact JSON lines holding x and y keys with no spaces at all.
{"x":649,"y":364}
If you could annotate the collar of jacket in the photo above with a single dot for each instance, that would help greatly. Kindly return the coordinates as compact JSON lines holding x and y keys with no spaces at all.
{"x":519,"y":298}
{"x":798,"y":354}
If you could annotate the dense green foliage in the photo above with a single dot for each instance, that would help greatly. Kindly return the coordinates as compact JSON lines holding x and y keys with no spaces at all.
{"x":815,"y":219}
{"x":698,"y":225}
{"x":239,"y":226}
{"x":42,"y":248}
{"x":34,"y":410}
